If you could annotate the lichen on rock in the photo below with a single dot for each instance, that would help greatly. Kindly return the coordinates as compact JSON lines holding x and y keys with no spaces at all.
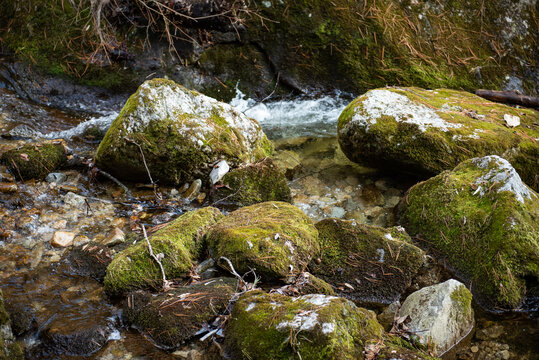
{"x":275,"y":238}
{"x":178,"y":133}
{"x":254,"y":183}
{"x":273,"y":326}
{"x":484,"y":221}
{"x":428,"y":131}
{"x":181,"y":244}
{"x":376,"y":265}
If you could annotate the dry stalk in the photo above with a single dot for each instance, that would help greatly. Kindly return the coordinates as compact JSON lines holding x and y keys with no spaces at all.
{"x":166,"y":283}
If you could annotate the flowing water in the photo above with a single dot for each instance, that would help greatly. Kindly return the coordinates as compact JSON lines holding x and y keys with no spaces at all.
{"x":62,"y":307}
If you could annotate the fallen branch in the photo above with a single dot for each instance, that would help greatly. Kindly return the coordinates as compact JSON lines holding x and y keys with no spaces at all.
{"x":110,"y":177}
{"x":508,"y":97}
{"x":166,"y":283}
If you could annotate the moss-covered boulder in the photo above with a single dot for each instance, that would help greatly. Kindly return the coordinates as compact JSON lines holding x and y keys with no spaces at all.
{"x":170,"y":319}
{"x":254,"y":183}
{"x":425,"y":131}
{"x":452,"y":321}
{"x":366,"y":263}
{"x":273,"y":326}
{"x":180,"y":242}
{"x":35,"y":161}
{"x":9,"y":349}
{"x":276,"y":238}
{"x":484,"y":221}
{"x":177,"y":133}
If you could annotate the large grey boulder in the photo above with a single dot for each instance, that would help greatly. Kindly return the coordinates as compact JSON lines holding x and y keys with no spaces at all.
{"x":440,"y":315}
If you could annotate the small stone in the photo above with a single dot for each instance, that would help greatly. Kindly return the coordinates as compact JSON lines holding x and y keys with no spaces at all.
{"x":115,"y":237}
{"x":183,"y":354}
{"x":474,"y":349}
{"x":62,"y":238}
{"x":219,"y":170}
{"x":504,"y":354}
{"x":60,"y":224}
{"x":81,"y":240}
{"x":74,"y":200}
{"x":511,"y":120}
{"x":201,"y":197}
{"x":338,"y":212}
{"x":8,"y":187}
{"x":193,"y":190}
{"x":392,"y":201}
{"x":205,"y":265}
{"x":56,"y":177}
{"x":381,"y":184}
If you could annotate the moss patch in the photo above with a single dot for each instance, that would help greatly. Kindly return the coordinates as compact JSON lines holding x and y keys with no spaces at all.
{"x":34,"y":161}
{"x":377,"y":264}
{"x":484,"y":232}
{"x":276,"y":238}
{"x":255,"y":183}
{"x":471,"y":127}
{"x":272,"y":326}
{"x":180,"y":242}
{"x":179,"y":132}
{"x":173,"y":318}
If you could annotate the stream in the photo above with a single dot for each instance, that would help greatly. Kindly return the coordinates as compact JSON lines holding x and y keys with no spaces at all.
{"x":63,"y":314}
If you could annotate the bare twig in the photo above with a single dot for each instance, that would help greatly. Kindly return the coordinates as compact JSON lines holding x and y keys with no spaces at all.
{"x":166,"y":283}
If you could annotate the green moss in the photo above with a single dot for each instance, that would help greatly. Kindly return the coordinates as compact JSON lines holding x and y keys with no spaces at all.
{"x":259,"y":326}
{"x":378,"y":263}
{"x":179,"y":147}
{"x":255,"y":183}
{"x":172,"y":318}
{"x":491,"y":240}
{"x":463,"y":297}
{"x":181,"y":244}
{"x":4,"y":316}
{"x":34,"y":161}
{"x":404,"y":146}
{"x":276,"y":238}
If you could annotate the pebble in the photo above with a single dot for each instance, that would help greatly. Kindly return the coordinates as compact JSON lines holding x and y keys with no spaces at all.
{"x":193,"y":190}
{"x":74,"y":200}
{"x":62,"y":238}
{"x":8,"y":187}
{"x":115,"y":237}
{"x":56,"y":177}
{"x":60,"y":224}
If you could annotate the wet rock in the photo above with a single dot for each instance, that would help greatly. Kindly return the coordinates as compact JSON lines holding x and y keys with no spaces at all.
{"x":6,"y":187}
{"x":193,"y":191}
{"x":272,"y":326}
{"x":416,"y":130}
{"x":205,"y":265}
{"x":180,"y":242}
{"x":305,"y":283}
{"x":62,"y":238}
{"x":366,"y":263}
{"x":89,"y":260}
{"x":219,"y":170}
{"x":170,"y":319}
{"x":483,"y":220}
{"x":74,"y":341}
{"x":115,"y":237}
{"x":386,"y":317}
{"x":441,"y":315}
{"x":35,"y":161}
{"x":180,"y":132}
{"x":254,"y":183}
{"x":274,"y":237}
{"x":489,"y":333}
{"x":56,"y":177}
{"x":74,"y":200}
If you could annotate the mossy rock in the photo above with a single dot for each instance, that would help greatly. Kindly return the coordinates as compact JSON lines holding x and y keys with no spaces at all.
{"x":9,"y":350}
{"x":179,"y":132}
{"x":273,"y":326}
{"x":35,"y":161}
{"x":424,"y":131}
{"x":180,"y":242}
{"x":484,"y":222}
{"x":172,"y":318}
{"x":304,"y":284}
{"x":376,"y":264}
{"x":255,"y":183}
{"x":275,"y":238}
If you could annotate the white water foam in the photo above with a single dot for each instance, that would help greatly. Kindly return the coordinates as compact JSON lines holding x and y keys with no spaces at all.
{"x":297,"y":117}
{"x":102,"y":122}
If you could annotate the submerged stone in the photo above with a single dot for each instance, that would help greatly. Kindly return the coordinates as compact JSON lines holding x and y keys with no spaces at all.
{"x":429,"y":131}
{"x":180,"y":243}
{"x":275,"y":238}
{"x":273,"y":326}
{"x":35,"y":161}
{"x":366,"y":263}
{"x":178,"y":133}
{"x":440,"y":315}
{"x":9,"y":349}
{"x":255,"y":183}
{"x":170,"y":319}
{"x":484,"y":222}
